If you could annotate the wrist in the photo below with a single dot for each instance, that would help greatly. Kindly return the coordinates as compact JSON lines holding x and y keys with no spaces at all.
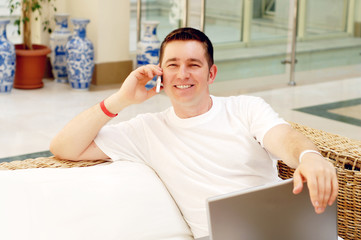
{"x":115,"y":103}
{"x":106,"y":111}
{"x":306,"y":152}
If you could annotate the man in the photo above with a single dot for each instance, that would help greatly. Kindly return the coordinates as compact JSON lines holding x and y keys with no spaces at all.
{"x":203,"y":145}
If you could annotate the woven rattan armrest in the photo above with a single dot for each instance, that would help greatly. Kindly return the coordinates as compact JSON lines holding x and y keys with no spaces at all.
{"x":47,"y":162}
{"x":345,"y":155}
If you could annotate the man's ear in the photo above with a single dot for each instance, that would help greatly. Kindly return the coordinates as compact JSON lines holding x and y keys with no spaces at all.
{"x":212,"y":74}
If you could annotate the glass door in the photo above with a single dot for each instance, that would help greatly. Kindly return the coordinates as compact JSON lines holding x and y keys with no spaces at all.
{"x":167,"y":13}
{"x":332,"y":21}
{"x":327,"y":38}
{"x":224,"y":20}
{"x":233,"y":26}
{"x":256,"y":38}
{"x":251,"y":37}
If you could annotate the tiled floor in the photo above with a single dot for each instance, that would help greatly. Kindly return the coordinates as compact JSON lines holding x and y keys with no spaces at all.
{"x":30,"y":118}
{"x":348,"y":111}
{"x":288,"y":101}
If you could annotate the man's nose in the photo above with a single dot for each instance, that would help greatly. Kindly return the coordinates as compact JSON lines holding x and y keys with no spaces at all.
{"x":183,"y":72}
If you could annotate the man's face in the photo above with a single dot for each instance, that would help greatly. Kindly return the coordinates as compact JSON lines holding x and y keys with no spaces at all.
{"x":186,"y":74}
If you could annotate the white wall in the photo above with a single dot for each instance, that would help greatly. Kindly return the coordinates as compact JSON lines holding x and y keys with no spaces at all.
{"x":108,"y":28}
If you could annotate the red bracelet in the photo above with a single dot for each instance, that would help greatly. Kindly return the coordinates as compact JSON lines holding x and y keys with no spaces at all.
{"x":105,"y":110}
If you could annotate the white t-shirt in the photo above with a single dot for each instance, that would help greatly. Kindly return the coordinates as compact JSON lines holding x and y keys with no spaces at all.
{"x":214,"y":153}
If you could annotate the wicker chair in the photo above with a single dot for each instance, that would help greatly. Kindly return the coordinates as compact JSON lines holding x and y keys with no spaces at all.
{"x":343,"y":153}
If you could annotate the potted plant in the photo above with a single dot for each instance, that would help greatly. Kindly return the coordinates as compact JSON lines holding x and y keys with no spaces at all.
{"x":30,"y":58}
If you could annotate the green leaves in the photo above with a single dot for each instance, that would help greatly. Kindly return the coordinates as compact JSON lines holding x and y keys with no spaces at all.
{"x":13,"y":5}
{"x":31,"y":6}
{"x":27,"y":7}
{"x":35,"y":6}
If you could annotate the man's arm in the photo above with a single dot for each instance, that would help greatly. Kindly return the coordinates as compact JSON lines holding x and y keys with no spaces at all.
{"x":76,"y":140}
{"x":320,"y":175}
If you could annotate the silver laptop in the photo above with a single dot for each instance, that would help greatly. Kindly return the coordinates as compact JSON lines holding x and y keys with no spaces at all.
{"x":269,"y":212}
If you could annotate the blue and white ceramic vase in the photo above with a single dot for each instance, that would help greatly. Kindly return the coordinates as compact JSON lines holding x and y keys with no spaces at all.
{"x":80,"y":56}
{"x":58,"y":41}
{"x":7,"y":60}
{"x":148,"y":46}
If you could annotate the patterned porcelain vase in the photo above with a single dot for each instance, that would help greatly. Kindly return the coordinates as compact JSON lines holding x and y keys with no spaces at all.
{"x":7,"y":60}
{"x":148,"y":48}
{"x":80,"y":56}
{"x":58,"y":41}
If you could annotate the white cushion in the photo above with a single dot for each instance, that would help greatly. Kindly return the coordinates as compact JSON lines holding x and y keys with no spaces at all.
{"x":122,"y":200}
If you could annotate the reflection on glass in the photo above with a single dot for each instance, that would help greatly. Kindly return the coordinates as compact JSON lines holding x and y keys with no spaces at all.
{"x":270,"y":20}
{"x":167,"y":13}
{"x":194,"y":13}
{"x":322,"y":22}
{"x":223,"y":21}
{"x":226,"y":20}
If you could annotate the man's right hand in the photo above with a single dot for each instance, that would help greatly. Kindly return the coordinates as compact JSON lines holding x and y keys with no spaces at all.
{"x":133,"y":89}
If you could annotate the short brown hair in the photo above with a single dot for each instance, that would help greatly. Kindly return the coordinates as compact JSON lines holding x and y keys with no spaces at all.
{"x":184,"y":34}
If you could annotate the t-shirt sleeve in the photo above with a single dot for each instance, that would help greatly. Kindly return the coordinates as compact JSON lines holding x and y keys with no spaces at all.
{"x":261,"y":118}
{"x":122,"y":141}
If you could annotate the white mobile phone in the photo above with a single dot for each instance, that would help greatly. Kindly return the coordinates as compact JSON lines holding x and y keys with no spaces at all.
{"x":159,"y":82}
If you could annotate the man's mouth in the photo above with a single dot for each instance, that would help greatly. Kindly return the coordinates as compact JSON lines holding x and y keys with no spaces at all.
{"x":183,"y":86}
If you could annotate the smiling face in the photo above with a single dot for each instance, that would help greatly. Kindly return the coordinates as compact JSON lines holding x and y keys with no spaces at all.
{"x":186,"y":76}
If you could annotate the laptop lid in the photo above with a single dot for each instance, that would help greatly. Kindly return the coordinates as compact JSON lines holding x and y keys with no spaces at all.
{"x":269,"y":212}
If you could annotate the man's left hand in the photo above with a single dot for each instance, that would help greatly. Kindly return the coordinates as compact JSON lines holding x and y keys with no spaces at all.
{"x":321,"y":179}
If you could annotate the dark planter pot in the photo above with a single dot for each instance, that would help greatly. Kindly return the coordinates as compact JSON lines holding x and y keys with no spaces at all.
{"x":30,"y":66}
